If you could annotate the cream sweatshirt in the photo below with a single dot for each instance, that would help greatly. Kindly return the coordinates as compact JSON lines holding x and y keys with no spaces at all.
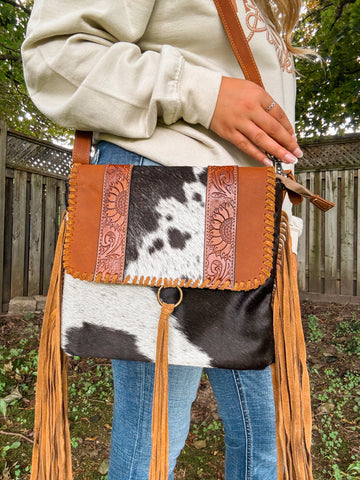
{"x":146,"y":74}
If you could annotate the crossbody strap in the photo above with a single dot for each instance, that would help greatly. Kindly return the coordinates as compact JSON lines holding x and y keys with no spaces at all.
{"x":242,"y":51}
{"x":82,"y":147}
{"x":238,"y":40}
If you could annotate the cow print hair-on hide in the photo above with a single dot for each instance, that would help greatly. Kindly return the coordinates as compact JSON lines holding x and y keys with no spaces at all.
{"x":127,"y":317}
{"x":157,"y":197}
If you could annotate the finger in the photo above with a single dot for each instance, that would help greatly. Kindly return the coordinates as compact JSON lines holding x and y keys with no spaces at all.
{"x":278,"y":132}
{"x":278,"y":114}
{"x":265,"y":142}
{"x":245,"y":145}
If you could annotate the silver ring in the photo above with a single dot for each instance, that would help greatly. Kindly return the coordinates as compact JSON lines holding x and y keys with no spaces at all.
{"x":271,"y":106}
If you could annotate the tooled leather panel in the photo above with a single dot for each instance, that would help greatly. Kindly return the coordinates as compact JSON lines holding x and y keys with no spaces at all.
{"x":255,"y":225}
{"x":113,"y":223}
{"x":220,"y":224}
{"x":82,"y":228}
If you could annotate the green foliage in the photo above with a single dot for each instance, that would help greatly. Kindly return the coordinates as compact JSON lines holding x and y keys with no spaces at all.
{"x":203,"y":453}
{"x":3,"y":406}
{"x":354,"y":469}
{"x":6,"y":448}
{"x":208,"y":431}
{"x":335,"y":396}
{"x":315,"y":333}
{"x":334,"y":402}
{"x":90,"y":405}
{"x":16,"y":108}
{"x":349,"y":332}
{"x":12,"y":92}
{"x":328,"y":92}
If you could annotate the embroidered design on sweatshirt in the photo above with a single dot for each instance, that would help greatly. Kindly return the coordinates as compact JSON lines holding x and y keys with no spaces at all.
{"x":255,"y":22}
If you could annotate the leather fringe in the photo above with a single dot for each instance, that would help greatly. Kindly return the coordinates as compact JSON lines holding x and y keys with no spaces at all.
{"x":51,"y":457}
{"x":159,"y":464}
{"x":290,"y":376}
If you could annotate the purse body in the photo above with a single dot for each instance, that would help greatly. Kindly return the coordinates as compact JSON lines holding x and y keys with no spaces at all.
{"x":211,"y":231}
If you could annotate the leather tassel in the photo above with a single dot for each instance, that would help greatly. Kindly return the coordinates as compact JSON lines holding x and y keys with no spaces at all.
{"x":296,"y":192}
{"x":290,"y":376}
{"x":51,"y":457}
{"x":159,"y":464}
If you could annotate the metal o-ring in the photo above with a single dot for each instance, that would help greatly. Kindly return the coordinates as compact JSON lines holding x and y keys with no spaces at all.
{"x":176,"y":304}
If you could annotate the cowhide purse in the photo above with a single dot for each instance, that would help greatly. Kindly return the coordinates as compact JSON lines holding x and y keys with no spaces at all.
{"x":189,"y":265}
{"x":201,"y":230}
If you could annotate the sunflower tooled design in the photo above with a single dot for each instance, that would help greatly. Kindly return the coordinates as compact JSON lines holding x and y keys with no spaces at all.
{"x":222,"y":229}
{"x":116,"y":202}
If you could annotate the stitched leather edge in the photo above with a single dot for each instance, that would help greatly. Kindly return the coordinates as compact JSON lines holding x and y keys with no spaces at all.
{"x":70,"y":226}
{"x":70,"y":255}
{"x":283,"y":237}
{"x":254,"y":238}
{"x":258,"y":280}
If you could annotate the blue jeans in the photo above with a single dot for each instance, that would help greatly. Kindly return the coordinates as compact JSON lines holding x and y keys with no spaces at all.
{"x":245,"y":403}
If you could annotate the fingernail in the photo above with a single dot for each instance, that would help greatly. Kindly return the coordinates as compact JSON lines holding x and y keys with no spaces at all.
{"x":267,"y":162}
{"x":297,"y":152}
{"x":289,"y":158}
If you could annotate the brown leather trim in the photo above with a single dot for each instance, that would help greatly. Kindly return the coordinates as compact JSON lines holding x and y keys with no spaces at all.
{"x":255,"y":225}
{"x":82,"y":147}
{"x":220,"y":224}
{"x":290,"y":376}
{"x":113,"y":223}
{"x":84,"y":212}
{"x":225,"y":266}
{"x":238,"y":40}
{"x":297,"y":192}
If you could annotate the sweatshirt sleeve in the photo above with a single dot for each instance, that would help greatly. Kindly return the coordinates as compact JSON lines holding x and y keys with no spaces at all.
{"x":84,"y":69}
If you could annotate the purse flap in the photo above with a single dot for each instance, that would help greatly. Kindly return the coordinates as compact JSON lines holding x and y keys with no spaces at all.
{"x":174,"y":226}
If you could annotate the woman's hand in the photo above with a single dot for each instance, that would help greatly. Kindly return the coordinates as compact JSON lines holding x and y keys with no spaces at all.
{"x":240,"y":117}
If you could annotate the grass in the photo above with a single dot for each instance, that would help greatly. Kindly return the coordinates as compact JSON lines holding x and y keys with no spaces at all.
{"x":333,"y":343}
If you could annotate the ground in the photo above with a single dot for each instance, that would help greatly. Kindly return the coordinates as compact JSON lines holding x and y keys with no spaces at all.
{"x":333,"y":346}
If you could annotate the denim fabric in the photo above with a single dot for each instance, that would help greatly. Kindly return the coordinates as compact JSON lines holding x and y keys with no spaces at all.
{"x":245,"y":402}
{"x":107,"y":152}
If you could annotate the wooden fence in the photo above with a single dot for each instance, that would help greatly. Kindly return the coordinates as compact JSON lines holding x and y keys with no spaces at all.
{"x":329,"y":249}
{"x":32,"y":184}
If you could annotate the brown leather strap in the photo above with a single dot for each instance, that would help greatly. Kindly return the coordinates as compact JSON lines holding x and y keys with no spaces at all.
{"x":82,"y":147}
{"x":238,"y":41}
{"x":296,"y":193}
{"x":242,"y":51}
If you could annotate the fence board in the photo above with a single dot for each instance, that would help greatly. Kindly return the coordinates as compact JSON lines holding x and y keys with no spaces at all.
{"x":328,"y":250}
{"x":315,"y":254}
{"x":35,"y":235}
{"x":18,"y":234}
{"x":300,"y":211}
{"x":331,"y":225}
{"x":2,"y":204}
{"x":61,"y":198}
{"x":50,"y":230}
{"x":357,"y":237}
{"x":7,"y":241}
{"x":347,"y":232}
